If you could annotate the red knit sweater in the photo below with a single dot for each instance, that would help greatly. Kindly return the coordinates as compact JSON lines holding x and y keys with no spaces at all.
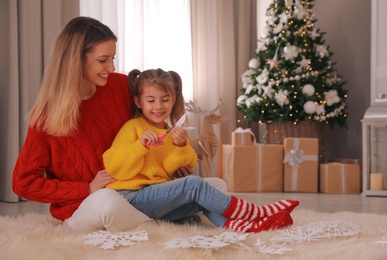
{"x":57,"y":170}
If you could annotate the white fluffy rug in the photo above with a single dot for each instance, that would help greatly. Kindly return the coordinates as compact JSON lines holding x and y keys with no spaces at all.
{"x":342,"y":235}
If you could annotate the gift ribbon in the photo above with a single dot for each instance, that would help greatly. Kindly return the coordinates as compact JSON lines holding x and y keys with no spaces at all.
{"x":343,"y":180}
{"x":226,"y":164}
{"x":259,"y":167}
{"x":247,"y":130}
{"x":295,"y":158}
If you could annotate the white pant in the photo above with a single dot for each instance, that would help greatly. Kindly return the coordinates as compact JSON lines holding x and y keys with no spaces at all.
{"x":106,"y":209}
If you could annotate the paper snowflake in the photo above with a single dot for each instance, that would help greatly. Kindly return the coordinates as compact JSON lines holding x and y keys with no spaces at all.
{"x":316,"y":231}
{"x":231,"y":237}
{"x":109,"y":240}
{"x":336,"y":228}
{"x":383,"y":241}
{"x":201,"y":241}
{"x":263,"y":248}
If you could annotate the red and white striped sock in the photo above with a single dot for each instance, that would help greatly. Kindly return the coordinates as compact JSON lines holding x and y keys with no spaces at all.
{"x":278,"y":220}
{"x":241,"y":209}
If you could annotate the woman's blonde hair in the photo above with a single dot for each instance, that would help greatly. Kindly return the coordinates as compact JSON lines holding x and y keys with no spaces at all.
{"x":169,"y":81}
{"x":57,"y":105}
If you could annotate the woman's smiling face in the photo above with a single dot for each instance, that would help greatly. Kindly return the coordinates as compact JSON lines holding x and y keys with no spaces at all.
{"x":98,"y":63}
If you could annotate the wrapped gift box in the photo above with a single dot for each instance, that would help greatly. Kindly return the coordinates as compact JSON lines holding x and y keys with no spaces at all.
{"x":242,"y":137}
{"x":347,"y":161}
{"x":301,"y":165}
{"x":253,"y":168}
{"x":340,"y":178}
{"x":351,"y":161}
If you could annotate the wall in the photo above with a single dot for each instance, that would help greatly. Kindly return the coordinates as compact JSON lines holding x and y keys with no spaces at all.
{"x":347,"y":25}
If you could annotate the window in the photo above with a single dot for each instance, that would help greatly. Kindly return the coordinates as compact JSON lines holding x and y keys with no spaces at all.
{"x":151,"y":34}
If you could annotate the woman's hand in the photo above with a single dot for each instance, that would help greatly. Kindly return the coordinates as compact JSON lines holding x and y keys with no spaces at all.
{"x":182,"y":172}
{"x":100,"y":181}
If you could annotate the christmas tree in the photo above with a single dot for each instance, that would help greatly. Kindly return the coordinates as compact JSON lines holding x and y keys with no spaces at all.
{"x":292,"y":77}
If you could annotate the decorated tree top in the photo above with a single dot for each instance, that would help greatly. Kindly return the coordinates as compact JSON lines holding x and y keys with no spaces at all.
{"x":292,"y":77}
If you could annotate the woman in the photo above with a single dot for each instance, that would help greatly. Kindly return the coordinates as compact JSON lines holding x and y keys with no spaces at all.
{"x":80,"y":108}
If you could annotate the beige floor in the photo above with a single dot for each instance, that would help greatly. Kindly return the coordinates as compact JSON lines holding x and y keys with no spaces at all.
{"x":314,"y":201}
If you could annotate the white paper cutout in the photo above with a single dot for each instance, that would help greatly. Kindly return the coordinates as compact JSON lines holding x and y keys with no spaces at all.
{"x":316,"y":231}
{"x":263,"y":248}
{"x":206,"y":242}
{"x":383,"y":241}
{"x":109,"y":240}
{"x":297,"y":234}
{"x":232,"y":237}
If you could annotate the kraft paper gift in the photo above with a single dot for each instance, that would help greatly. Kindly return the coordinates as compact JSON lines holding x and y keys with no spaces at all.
{"x":253,"y":168}
{"x":301,"y":165}
{"x":340,"y":178}
{"x":243,"y":137}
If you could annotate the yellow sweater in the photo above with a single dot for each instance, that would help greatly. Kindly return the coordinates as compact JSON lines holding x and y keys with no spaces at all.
{"x":135,"y":166}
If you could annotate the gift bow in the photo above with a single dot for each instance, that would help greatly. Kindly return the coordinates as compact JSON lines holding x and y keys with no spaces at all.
{"x":294,"y":158}
{"x":241,"y":130}
{"x":247,"y":130}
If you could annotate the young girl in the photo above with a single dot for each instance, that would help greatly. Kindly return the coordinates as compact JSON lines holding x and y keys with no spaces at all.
{"x":143,"y":167}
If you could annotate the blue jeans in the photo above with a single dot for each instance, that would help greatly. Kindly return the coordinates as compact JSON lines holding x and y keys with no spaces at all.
{"x":177,"y":199}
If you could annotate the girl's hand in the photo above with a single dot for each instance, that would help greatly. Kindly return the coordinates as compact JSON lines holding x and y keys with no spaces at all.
{"x":149,"y":137}
{"x":100,"y":181}
{"x":182,"y":172}
{"x":180,"y":136}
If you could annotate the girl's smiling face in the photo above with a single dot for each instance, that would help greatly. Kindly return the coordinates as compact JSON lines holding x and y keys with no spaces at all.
{"x":156,"y":104}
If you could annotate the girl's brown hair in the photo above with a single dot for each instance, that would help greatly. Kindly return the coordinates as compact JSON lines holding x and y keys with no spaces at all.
{"x":169,"y":81}
{"x":56,"y":108}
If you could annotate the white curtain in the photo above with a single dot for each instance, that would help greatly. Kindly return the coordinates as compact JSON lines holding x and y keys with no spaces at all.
{"x":208,"y":42}
{"x":28,"y":29}
{"x":224,"y":39}
{"x":151,"y":34}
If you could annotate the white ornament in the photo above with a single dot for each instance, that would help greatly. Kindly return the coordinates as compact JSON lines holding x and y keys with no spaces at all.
{"x":308,"y":90}
{"x":310,"y":107}
{"x":299,"y":12}
{"x":241,"y":99}
{"x":281,"y":97}
{"x":290,"y":52}
{"x":250,"y":88}
{"x":246,"y":78}
{"x":322,"y":51}
{"x":331,"y":97}
{"x":304,"y":63}
{"x":268,"y":90}
{"x":278,"y":28}
{"x":283,"y":18}
{"x":314,"y":34}
{"x":320,"y":109}
{"x":271,"y":20}
{"x":254,"y":63}
{"x":251,"y":100}
{"x":263,"y":77}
